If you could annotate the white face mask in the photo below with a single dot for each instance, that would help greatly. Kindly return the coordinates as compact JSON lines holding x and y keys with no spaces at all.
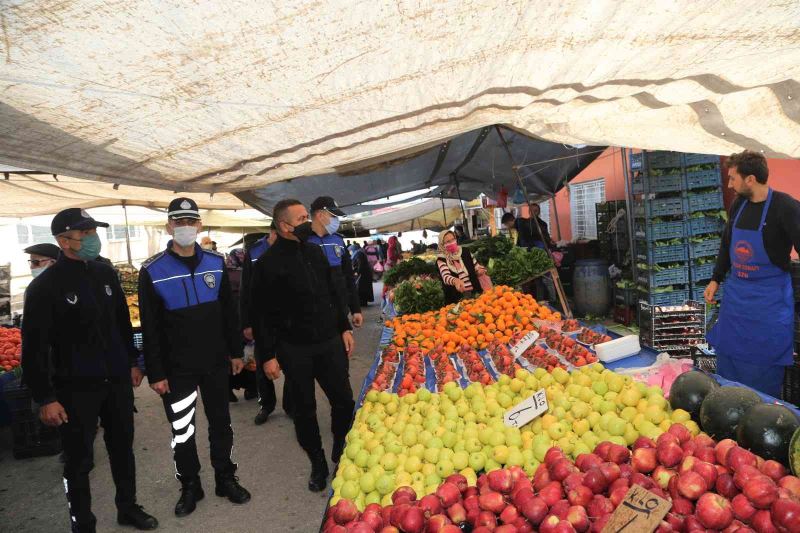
{"x":184,"y":235}
{"x":36,"y":271}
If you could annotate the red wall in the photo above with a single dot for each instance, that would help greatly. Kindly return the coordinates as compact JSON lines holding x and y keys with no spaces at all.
{"x":784,"y":175}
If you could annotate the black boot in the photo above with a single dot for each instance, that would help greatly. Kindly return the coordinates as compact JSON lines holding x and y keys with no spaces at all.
{"x":319,"y":471}
{"x":338,"y":448}
{"x":228,"y":487}
{"x":136,"y":517}
{"x":191,"y":493}
{"x":261,"y":417}
{"x":232,"y":397}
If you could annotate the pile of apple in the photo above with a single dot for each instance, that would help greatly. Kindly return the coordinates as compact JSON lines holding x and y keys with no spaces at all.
{"x":732,"y":491}
{"x":503,"y":361}
{"x":413,"y":370}
{"x":538,"y":356}
{"x":387,"y":368}
{"x":443,"y":367}
{"x":473,"y":363}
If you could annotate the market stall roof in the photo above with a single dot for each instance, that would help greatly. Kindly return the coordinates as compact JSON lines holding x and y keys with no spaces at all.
{"x":231,"y":96}
{"x":426,"y":214}
{"x":25,"y":195}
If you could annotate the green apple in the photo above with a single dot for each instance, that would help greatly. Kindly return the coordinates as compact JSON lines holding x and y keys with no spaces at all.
{"x":444,"y":468}
{"x":628,"y":414}
{"x":477,"y":461}
{"x":431,"y":455}
{"x":460,"y":460}
{"x":361,"y":458}
{"x":367,"y":482}
{"x":600,"y":387}
{"x":500,"y":454}
{"x":580,"y":448}
{"x":560,"y":375}
{"x":372,"y":497}
{"x":556,"y":431}
{"x":615,"y":382}
{"x":654,"y":414}
{"x":658,"y":401}
{"x":353,"y":448}
{"x":617,"y":426}
{"x":449,"y":439}
{"x":428,"y":469}
{"x":412,"y":464}
{"x":492,"y":465}
{"x":409,"y":438}
{"x":384,"y":397}
{"x":581,"y":426}
{"x":513,"y":437}
{"x":515,"y":457}
{"x":350,"y":490}
{"x":485,"y":435}
{"x":351,"y":473}
{"x":388,"y":462}
{"x":607,"y":406}
{"x":680,"y":416}
{"x":630,"y":434}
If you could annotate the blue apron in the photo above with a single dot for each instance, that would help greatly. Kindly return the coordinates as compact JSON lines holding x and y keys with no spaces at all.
{"x":753,"y":337}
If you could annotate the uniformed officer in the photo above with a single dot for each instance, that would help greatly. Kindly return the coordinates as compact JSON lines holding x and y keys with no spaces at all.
{"x":325,"y":223}
{"x":266,"y":388}
{"x":301,"y":326}
{"x":80,"y":364}
{"x":191,"y":341}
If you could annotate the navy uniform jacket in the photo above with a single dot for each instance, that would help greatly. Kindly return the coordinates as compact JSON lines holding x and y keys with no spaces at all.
{"x":77,"y":327}
{"x":341,"y":264}
{"x":251,"y":255}
{"x":188,"y":314}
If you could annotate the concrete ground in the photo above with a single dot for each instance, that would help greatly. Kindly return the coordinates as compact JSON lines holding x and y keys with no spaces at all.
{"x":271,"y":466}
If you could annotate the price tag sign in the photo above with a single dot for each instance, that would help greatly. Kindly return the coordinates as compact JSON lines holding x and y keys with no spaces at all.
{"x":640,"y":512}
{"x":524,"y":343}
{"x":526,"y":410}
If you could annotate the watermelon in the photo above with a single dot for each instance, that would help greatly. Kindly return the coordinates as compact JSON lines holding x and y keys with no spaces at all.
{"x":723,"y":408}
{"x":767,"y":429}
{"x":689,"y":390}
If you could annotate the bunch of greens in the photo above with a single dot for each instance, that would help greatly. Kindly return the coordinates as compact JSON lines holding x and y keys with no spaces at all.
{"x":405,"y":269}
{"x":518,"y":265}
{"x":418,"y":295}
{"x":485,"y":249}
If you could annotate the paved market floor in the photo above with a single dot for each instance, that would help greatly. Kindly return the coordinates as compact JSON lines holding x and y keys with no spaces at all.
{"x":271,"y":466}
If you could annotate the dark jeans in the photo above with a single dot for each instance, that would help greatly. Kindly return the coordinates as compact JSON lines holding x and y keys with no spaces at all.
{"x":84,"y":403}
{"x":180,"y":404}
{"x":327,"y":363}
{"x":266,"y":394}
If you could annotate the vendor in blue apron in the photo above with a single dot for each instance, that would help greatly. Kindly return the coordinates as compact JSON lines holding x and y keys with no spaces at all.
{"x":754,"y":335}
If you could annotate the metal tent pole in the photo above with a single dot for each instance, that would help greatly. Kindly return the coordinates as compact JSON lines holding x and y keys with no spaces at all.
{"x":127,"y":233}
{"x":465,"y":227}
{"x":555,"y":212}
{"x":444,"y":212}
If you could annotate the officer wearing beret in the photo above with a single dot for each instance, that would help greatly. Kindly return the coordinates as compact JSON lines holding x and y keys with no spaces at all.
{"x":80,"y":364}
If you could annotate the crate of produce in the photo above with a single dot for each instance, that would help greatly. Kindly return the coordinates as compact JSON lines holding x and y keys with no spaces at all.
{"x":704,"y":225}
{"x":698,"y":289}
{"x":625,"y":296}
{"x":663,"y":278}
{"x":671,"y":253}
{"x":660,"y":207}
{"x":677,"y":327}
{"x":657,"y":231}
{"x":706,"y":248}
{"x":676,"y":297}
{"x":664,"y":159}
{"x":705,"y":201}
{"x":30,"y":438}
{"x":700,"y":159}
{"x":656,"y":184}
{"x":703,"y":179}
{"x":701,"y":272}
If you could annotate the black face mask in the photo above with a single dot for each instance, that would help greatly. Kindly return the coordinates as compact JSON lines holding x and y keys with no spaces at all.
{"x":302,"y":231}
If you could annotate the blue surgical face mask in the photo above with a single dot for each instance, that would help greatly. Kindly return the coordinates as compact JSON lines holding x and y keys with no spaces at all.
{"x":36,"y":271}
{"x":332,"y":226}
{"x":90,"y":247}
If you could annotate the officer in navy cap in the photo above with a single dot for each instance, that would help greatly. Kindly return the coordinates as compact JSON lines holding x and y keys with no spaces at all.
{"x":80,"y":365}
{"x":325,"y":223}
{"x":266,"y":388}
{"x":192,"y":341}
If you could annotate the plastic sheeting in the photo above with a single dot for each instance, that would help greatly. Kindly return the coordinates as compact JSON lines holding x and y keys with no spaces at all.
{"x":427,"y":214}
{"x":232,"y":96}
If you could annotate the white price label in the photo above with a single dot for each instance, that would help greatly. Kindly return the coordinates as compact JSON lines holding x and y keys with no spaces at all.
{"x":524,"y":343}
{"x":526,"y":410}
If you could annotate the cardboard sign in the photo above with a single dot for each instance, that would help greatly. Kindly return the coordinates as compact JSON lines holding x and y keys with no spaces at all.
{"x":640,"y":512}
{"x":526,"y":410}
{"x":524,"y":343}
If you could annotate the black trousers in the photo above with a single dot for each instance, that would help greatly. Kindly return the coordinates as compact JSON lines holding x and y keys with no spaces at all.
{"x":327,"y":363}
{"x":112,"y":403}
{"x":266,"y":393}
{"x":180,"y":405}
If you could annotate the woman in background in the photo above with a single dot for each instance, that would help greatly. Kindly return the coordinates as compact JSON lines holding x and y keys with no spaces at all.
{"x":458,"y":271}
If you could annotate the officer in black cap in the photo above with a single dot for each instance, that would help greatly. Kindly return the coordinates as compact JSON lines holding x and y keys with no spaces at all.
{"x":42,"y":256}
{"x":325,"y":224}
{"x":192,"y":341}
{"x":80,"y":364}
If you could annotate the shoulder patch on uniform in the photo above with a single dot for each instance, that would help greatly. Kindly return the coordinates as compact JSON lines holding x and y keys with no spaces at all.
{"x":153,"y":259}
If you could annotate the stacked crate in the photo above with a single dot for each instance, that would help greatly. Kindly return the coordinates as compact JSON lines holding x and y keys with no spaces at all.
{"x":677,"y":224}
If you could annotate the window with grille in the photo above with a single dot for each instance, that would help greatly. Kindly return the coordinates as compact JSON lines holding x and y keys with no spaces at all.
{"x":545,"y":214}
{"x":117,"y":232}
{"x":582,"y":200}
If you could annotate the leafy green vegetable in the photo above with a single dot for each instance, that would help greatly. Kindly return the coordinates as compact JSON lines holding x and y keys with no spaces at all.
{"x":485,"y":249}
{"x":405,"y":269}
{"x":518,"y":265}
{"x":418,"y":295}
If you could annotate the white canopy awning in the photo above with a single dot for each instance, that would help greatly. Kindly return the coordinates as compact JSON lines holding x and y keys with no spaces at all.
{"x":231,"y":96}
{"x":425,"y":214}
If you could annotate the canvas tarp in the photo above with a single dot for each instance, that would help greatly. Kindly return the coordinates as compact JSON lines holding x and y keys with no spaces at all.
{"x":427,"y":214}
{"x":231,"y":96}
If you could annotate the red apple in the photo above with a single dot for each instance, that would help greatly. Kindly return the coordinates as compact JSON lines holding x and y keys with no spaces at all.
{"x":578,"y":518}
{"x":561,"y":469}
{"x":682,"y":506}
{"x":405,"y":493}
{"x":586,"y":461}
{"x":792,"y":484}
{"x":573,"y":481}
{"x":786,"y":514}
{"x":611,"y":471}
{"x":398,"y":511}
{"x":509,"y":515}
{"x":450,"y":528}
{"x":664,"y":527}
{"x":672,"y":487}
{"x":667,"y":437}
{"x":553,"y":455}
{"x":492,"y":501}
{"x":618,"y":454}
{"x":689,"y":447}
{"x":560,"y":509}
{"x":344,"y":511}
{"x":336,"y":528}
{"x":601,"y":450}
{"x":599,"y":524}
{"x":704,"y":440}
{"x":668,"y":453}
{"x":522,"y":525}
{"x":499,"y":480}
{"x":675,"y":521}
{"x":471,"y":502}
{"x":386,"y":514}
{"x":721,"y":450}
{"x":373,"y":507}
{"x":762,"y":522}
{"x":743,"y":476}
{"x":457,"y":513}
{"x":534,"y":509}
{"x":549,"y":524}
{"x":459,"y":481}
{"x":662,"y":475}
{"x":738,"y":457}
{"x":642,"y":481}
{"x":680,"y":431}
{"x":448,"y":494}
{"x":541,"y":477}
{"x":413,"y":521}
{"x":761,"y":491}
{"x":687,"y":465}
{"x":644,"y":442}
{"x":742,"y":508}
{"x":692,"y":523}
{"x":487,"y":519}
{"x":644,"y":460}
{"x":437,"y":522}
{"x":707,"y":470}
{"x":691,"y":485}
{"x":564,"y":527}
{"x":482,"y":529}
{"x":506,"y":528}
{"x":595,"y":480}
{"x":580,"y":495}
{"x":472,"y":515}
{"x":522,"y":483}
{"x":722,"y":470}
{"x":706,"y":453}
{"x":551,"y":493}
{"x":430,"y":505}
{"x":599,"y":506}
{"x":773,"y":469}
{"x":517,"y":473}
{"x":521,"y":495}
{"x":617,"y":496}
{"x":373,"y":519}
{"x":389,"y":529}
{"x":714,"y":511}
{"x":733,"y":527}
{"x":726,"y":487}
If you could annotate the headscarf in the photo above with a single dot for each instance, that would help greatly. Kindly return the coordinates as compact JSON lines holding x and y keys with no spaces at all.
{"x":454,"y":261}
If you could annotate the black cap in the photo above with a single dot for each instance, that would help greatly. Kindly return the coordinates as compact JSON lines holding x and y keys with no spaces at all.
{"x":328,"y":204}
{"x":183,"y":208}
{"x":72,"y":219}
{"x":44,"y":249}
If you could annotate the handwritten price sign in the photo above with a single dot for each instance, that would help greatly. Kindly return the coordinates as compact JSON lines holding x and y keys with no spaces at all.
{"x":526,"y":410}
{"x":524,"y":343}
{"x":640,"y":512}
